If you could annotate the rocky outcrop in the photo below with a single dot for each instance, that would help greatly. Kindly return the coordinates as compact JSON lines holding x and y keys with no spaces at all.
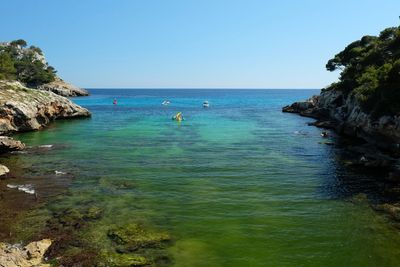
{"x":8,"y":144}
{"x":341,"y":112}
{"x":24,"y":109}
{"x":63,"y":88}
{"x":28,"y":256}
{"x":35,"y":54}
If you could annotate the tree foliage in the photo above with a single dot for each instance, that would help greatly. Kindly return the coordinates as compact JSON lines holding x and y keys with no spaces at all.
{"x":19,"y":42}
{"x":7,"y":69}
{"x":370,"y":69}
{"x":24,"y":64}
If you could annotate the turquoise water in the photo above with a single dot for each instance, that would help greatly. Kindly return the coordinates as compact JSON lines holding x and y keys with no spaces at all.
{"x":238,"y":184}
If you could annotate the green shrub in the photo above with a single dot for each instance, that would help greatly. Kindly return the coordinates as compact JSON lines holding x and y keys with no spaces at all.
{"x":370,"y":69}
{"x":7,"y":69}
{"x":23,"y":65}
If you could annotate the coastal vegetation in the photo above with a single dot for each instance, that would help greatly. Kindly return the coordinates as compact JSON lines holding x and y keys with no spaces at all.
{"x":25,"y":64}
{"x":370,"y":70}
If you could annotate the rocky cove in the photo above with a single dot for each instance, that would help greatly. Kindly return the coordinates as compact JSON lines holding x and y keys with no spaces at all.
{"x":237,"y":184}
{"x":76,"y":228}
{"x":117,"y":190}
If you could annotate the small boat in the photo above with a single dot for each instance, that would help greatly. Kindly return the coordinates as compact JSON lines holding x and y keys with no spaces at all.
{"x":324,"y":134}
{"x":206,"y":104}
{"x":166,"y":102}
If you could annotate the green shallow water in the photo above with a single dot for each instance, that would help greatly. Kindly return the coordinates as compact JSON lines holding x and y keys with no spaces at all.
{"x":239,"y":184}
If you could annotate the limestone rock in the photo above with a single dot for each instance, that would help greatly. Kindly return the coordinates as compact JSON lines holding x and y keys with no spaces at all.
{"x":343,"y":113}
{"x":8,"y":144}
{"x":28,"y":256}
{"x":63,"y":88}
{"x":3,"y":170}
{"x":24,"y":109}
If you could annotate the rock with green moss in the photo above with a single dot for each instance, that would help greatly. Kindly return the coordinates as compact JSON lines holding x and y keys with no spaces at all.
{"x":132,"y":237}
{"x":93,"y":213}
{"x":74,"y":218}
{"x":114,"y":184}
{"x":125,"y":260}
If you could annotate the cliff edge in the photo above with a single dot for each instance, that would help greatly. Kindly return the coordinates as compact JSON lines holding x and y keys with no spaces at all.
{"x":24,"y":109}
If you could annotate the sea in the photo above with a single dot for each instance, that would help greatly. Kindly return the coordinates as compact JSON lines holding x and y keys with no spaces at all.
{"x":236,"y":184}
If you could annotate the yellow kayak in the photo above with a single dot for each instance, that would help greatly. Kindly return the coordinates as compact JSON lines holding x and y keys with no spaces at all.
{"x":178,"y":116}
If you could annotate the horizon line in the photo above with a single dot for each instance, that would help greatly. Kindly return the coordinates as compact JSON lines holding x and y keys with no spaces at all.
{"x":198,"y":88}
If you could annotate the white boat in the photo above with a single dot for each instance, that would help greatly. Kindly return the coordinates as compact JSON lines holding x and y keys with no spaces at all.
{"x":166,"y":102}
{"x":206,"y":104}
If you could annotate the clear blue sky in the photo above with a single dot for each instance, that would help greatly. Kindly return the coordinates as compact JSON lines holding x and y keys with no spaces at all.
{"x":194,"y":43}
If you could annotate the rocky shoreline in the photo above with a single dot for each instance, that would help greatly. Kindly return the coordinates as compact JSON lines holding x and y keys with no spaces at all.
{"x":334,"y":110}
{"x":61,"y":239}
{"x":26,"y":109}
{"x":61,"y":87}
{"x":23,"y":109}
{"x":373,"y":142}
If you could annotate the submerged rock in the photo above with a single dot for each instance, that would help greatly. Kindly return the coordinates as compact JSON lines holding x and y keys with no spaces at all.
{"x":63,"y":88}
{"x":93,"y":213}
{"x":28,"y":256}
{"x":24,"y":109}
{"x":134,"y":236}
{"x":125,"y":260}
{"x":74,"y":218}
{"x":393,"y":210}
{"x":137,"y":246}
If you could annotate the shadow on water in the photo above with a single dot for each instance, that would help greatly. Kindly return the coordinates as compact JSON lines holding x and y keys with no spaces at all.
{"x":345,"y":180}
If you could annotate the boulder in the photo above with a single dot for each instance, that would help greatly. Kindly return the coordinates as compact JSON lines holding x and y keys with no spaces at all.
{"x":8,"y":144}
{"x":3,"y":170}
{"x":28,"y":256}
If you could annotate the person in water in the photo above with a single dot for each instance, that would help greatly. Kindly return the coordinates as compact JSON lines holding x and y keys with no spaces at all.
{"x":178,"y":116}
{"x":115,"y":101}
